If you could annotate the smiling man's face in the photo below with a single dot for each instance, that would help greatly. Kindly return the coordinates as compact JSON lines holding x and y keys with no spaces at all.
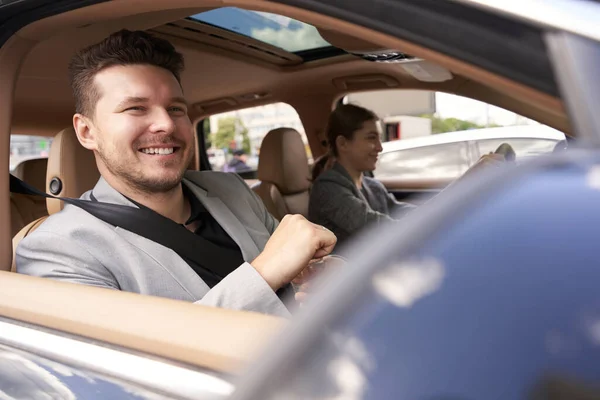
{"x":140,"y":131}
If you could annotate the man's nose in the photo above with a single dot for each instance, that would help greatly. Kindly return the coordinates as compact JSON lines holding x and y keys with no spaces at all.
{"x":162,"y":122}
{"x":379,"y":147}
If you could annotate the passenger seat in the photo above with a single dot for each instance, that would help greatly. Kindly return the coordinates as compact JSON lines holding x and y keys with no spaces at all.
{"x":23,"y":208}
{"x":283,"y":173}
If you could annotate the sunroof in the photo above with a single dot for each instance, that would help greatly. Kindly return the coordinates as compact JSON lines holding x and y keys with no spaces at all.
{"x":283,"y":32}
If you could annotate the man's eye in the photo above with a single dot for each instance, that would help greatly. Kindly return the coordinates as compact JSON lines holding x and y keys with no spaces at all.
{"x":135,"y":108}
{"x":177,"y":109}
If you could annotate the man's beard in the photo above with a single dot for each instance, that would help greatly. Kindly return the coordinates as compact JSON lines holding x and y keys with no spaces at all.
{"x":136,"y":179}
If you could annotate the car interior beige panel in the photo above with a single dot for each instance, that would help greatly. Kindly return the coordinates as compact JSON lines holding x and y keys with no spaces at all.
{"x":11,"y":56}
{"x":25,"y":208}
{"x":347,"y":42}
{"x":314,"y":110}
{"x":208,"y":337}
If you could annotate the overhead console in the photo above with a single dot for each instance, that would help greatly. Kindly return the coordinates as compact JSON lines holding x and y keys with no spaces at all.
{"x":420,"y":69}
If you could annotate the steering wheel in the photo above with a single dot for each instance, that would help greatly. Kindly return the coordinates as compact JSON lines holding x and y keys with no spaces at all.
{"x":507,"y":151}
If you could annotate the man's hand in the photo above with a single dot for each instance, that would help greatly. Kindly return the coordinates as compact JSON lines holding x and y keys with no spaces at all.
{"x":303,"y":283}
{"x":295,"y":242}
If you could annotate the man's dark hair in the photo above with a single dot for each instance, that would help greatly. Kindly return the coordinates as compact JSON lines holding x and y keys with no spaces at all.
{"x":121,"y":48}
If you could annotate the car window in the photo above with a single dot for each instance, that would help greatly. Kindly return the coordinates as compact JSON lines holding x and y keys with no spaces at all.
{"x":25,"y":147}
{"x":439,"y":161}
{"x":234,"y":138}
{"x":435,"y":135}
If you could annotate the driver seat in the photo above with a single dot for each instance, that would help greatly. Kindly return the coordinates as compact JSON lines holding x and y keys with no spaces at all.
{"x":71,"y":172}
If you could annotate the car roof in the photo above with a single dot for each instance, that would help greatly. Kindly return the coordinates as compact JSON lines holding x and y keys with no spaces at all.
{"x":219,"y":64}
{"x":536,"y":131}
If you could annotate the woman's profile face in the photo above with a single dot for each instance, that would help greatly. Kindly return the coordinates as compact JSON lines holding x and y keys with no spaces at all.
{"x":362,"y":150}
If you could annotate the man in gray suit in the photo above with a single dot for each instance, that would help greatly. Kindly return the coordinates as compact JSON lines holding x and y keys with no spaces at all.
{"x":130,"y":111}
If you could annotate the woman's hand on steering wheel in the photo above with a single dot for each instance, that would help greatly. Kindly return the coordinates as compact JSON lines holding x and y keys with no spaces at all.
{"x":507,"y":151}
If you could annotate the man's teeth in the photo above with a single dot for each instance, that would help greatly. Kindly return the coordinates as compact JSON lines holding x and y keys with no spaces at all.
{"x":163,"y":151}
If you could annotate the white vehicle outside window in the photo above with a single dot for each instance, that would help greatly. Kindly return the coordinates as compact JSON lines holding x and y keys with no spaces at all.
{"x":448,"y":155}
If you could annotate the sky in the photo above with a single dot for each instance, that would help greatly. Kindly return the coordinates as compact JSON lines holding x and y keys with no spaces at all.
{"x":451,"y":106}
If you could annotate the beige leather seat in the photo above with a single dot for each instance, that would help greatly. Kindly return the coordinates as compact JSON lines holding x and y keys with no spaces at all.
{"x":283,"y":173}
{"x":71,"y":172}
{"x":25,"y":209}
{"x":72,"y":169}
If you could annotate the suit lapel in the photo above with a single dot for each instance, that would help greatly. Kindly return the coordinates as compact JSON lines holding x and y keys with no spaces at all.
{"x":227,"y":219}
{"x":181,"y":272}
{"x":105,"y":193}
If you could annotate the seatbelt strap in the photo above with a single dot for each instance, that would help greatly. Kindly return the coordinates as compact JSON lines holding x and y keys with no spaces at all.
{"x":153,"y":226}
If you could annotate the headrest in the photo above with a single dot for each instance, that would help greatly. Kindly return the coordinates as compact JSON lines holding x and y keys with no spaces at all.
{"x":72,"y":169}
{"x":33,"y":172}
{"x":283,"y":161}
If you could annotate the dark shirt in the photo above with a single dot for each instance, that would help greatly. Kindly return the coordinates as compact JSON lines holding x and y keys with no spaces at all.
{"x":211,"y":230}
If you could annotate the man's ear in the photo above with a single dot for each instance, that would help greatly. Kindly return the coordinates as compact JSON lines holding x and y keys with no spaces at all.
{"x":86,"y":134}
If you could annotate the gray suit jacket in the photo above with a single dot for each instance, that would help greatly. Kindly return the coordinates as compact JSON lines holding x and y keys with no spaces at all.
{"x":337,"y":204}
{"x":74,"y":246}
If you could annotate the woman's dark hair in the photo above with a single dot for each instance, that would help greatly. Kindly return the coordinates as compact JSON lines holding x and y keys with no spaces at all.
{"x":320,"y":166}
{"x":344,"y":121}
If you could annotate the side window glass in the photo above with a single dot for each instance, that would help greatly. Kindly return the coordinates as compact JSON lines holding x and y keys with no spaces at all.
{"x":428,"y":162}
{"x":234,"y":138}
{"x":523,"y":147}
{"x":25,"y":147}
{"x":435,"y":135}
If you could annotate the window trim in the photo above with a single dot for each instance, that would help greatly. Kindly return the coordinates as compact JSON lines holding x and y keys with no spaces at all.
{"x":148,"y":372}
